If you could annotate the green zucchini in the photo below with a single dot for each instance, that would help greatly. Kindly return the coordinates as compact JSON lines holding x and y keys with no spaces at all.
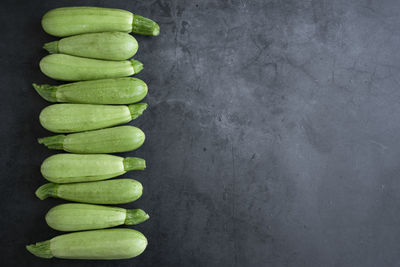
{"x":69,"y":118}
{"x":109,"y":244}
{"x":71,"y":168}
{"x":116,"y":191}
{"x":70,"y":68}
{"x":105,"y":45}
{"x":109,"y":140}
{"x":106,"y":91}
{"x":78,"y":217}
{"x":68,"y":21}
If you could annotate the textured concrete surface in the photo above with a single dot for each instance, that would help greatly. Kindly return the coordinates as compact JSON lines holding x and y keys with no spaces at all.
{"x":272,"y":133}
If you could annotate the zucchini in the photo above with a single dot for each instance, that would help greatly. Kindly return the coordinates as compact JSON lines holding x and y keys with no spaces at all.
{"x":70,"y":68}
{"x":105,"y":45}
{"x":68,"y":118}
{"x":71,"y":168}
{"x":116,"y":191}
{"x":109,"y":140}
{"x":110,"y":244}
{"x":106,"y":91}
{"x":68,"y":21}
{"x":78,"y":217}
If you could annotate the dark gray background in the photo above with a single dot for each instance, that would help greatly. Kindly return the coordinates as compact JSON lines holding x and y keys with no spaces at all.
{"x":272,"y":133}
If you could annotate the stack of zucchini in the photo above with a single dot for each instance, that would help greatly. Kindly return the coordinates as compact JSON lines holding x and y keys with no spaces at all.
{"x":93,"y":54}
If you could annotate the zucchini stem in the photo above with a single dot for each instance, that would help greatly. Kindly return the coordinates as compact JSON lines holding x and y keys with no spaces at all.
{"x":51,"y":47}
{"x":46,"y":190}
{"x":137,"y":109}
{"x":136,"y":216}
{"x":46,"y":91}
{"x":53,"y":142}
{"x":40,"y":249}
{"x":137,"y":66}
{"x":132,"y":163}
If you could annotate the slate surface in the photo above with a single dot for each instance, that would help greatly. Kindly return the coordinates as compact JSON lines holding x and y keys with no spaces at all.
{"x":272,"y":133}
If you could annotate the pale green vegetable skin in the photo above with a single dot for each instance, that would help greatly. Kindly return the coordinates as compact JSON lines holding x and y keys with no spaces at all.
{"x":110,"y":244}
{"x":79,"y":217}
{"x":67,"y":21}
{"x":106,"y":91}
{"x":70,"y":68}
{"x":109,"y":140}
{"x":105,"y":45}
{"x":116,"y":191}
{"x":69,"y":118}
{"x":71,"y":168}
